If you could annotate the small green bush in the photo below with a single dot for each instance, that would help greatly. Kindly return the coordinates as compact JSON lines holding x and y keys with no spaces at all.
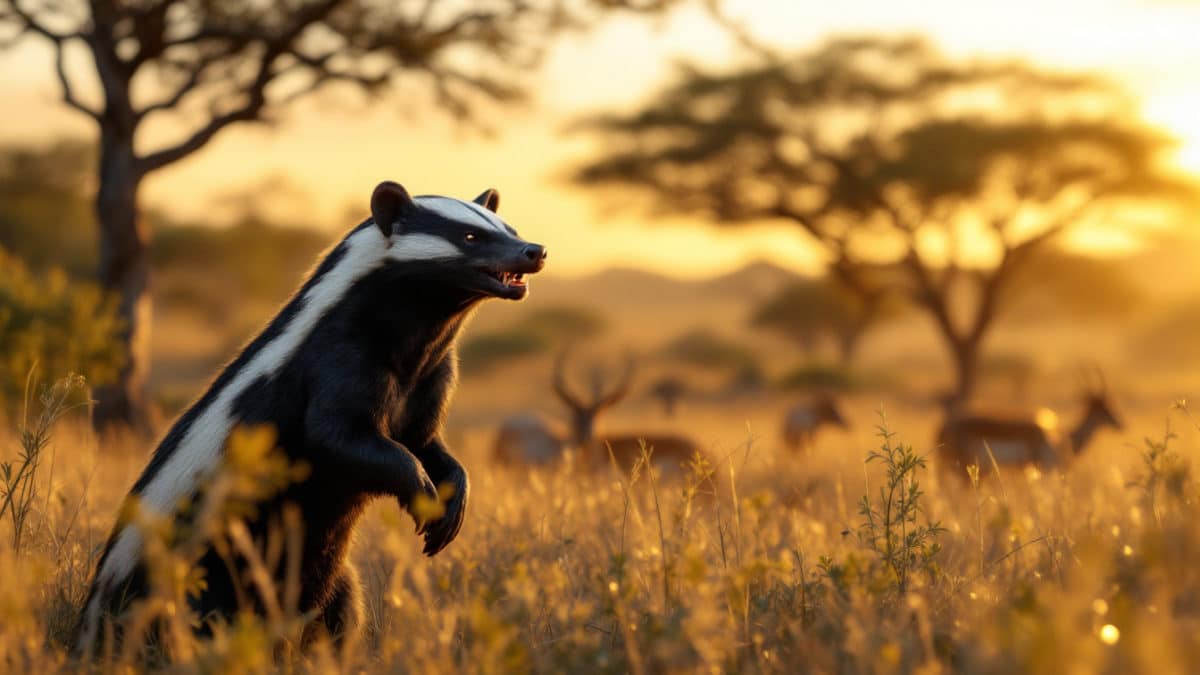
{"x":59,"y":325}
{"x":819,"y":376}
{"x":46,"y":209}
{"x":258,"y":261}
{"x":537,"y":333}
{"x":708,"y":350}
{"x":564,"y":323}
{"x":486,"y":350}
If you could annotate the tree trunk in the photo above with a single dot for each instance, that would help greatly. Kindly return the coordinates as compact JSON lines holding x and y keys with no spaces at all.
{"x":966,"y":371}
{"x":848,"y":340}
{"x":125,"y":271}
{"x":807,"y":341}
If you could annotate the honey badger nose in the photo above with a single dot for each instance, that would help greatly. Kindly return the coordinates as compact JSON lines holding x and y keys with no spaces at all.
{"x":534,"y":252}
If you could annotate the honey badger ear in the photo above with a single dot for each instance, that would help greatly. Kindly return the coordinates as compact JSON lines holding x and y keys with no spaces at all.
{"x":388,"y":202}
{"x":489,"y":199}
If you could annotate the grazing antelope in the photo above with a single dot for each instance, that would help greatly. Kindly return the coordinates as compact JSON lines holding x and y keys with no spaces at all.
{"x":802,"y":421}
{"x":1021,"y":441}
{"x":531,"y":438}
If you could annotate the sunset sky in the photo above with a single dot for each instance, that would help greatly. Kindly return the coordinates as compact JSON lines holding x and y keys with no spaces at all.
{"x":335,"y":150}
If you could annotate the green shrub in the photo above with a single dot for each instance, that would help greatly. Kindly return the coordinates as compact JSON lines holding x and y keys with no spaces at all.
{"x":486,"y":350}
{"x":559,"y":324}
{"x":537,"y":333}
{"x":819,"y":376}
{"x":708,"y":350}
{"x":59,"y":325}
{"x":258,"y":261}
{"x":46,"y":210}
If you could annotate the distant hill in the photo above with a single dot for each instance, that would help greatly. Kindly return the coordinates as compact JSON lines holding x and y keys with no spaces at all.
{"x":649,"y":306}
{"x":632,"y":285}
{"x":753,"y":282}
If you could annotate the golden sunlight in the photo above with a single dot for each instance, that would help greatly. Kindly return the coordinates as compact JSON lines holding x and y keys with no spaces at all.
{"x":839,"y":352}
{"x":1104,"y":241}
{"x":1179,"y":113}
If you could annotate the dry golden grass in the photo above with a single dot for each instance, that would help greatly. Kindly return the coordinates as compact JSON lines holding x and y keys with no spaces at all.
{"x":561,"y":570}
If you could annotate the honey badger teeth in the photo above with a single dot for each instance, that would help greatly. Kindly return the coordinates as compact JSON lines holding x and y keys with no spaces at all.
{"x":510,"y":278}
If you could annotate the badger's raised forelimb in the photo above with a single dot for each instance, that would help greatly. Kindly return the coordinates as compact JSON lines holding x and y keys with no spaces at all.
{"x":427,"y":405}
{"x":354,"y":448}
{"x":446,"y":472}
{"x":381,"y":466}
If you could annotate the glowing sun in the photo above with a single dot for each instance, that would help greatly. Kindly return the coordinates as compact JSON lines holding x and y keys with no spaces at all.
{"x":1179,"y":113}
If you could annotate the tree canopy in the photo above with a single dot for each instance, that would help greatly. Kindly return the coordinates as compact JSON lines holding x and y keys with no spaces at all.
{"x":211,"y":64}
{"x":811,"y":310}
{"x":885,"y":152}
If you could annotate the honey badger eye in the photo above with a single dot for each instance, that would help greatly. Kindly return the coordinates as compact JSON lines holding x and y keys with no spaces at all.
{"x":471,"y":237}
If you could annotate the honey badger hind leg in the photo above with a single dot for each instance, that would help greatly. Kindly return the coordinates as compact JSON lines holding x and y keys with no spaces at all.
{"x":341,"y":620}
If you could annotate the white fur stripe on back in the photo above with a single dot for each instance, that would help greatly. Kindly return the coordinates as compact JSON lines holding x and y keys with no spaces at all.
{"x":462,"y":211}
{"x":198,"y":453}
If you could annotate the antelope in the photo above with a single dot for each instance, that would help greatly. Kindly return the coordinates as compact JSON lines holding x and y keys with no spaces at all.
{"x":802,"y":421}
{"x":529,"y":438}
{"x":668,"y":391}
{"x":533,"y":439}
{"x":1021,"y":442}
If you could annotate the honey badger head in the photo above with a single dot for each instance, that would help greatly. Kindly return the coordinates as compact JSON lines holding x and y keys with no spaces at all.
{"x":457,"y":243}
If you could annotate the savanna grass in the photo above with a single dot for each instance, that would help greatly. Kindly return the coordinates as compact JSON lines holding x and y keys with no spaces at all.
{"x":759,"y":562}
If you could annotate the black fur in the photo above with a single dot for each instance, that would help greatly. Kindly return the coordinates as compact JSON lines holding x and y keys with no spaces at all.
{"x":361,"y":402}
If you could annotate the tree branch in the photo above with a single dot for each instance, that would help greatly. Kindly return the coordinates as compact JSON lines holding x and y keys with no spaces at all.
{"x":739,"y":32}
{"x":195,"y":72}
{"x":149,"y":28}
{"x":193,"y":79}
{"x":805,"y":221}
{"x":255,"y":94}
{"x":68,"y":93}
{"x":1013,"y":256}
{"x":28,"y":23}
{"x":237,"y":37}
{"x":247,"y":112}
{"x":853,"y":275}
{"x":255,"y":100}
{"x":929,"y":293}
{"x":325,"y":75}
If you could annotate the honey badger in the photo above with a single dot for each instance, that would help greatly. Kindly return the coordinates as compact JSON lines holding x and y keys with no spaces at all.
{"x":355,"y":374}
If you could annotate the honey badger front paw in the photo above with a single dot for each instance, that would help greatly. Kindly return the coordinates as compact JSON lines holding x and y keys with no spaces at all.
{"x":421,"y":501}
{"x":454,"y":488}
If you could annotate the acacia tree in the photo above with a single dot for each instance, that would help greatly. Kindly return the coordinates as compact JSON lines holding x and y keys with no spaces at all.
{"x":226,"y":62}
{"x":883,"y":152}
{"x":811,"y":309}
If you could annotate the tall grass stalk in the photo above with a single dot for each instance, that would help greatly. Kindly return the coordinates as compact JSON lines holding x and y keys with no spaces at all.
{"x":18,"y":478}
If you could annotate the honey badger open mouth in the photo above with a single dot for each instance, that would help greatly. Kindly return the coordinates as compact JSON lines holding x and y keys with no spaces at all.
{"x":508,"y":278}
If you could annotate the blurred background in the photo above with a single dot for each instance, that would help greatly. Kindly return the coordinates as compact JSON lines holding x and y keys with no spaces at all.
{"x":766,"y":221}
{"x":930,"y":206}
